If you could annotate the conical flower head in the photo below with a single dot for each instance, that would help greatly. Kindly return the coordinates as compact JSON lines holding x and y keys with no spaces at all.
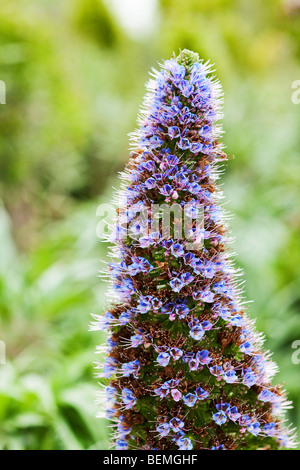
{"x":185,"y":367}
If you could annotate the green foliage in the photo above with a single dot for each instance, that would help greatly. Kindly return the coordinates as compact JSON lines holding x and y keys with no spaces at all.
{"x":74,"y":80}
{"x":47,"y":391}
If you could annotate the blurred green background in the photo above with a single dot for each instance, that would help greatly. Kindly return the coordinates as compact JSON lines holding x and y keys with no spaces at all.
{"x":74,"y":74}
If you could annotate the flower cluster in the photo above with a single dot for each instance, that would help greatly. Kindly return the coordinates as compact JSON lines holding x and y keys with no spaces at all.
{"x":182,"y":356}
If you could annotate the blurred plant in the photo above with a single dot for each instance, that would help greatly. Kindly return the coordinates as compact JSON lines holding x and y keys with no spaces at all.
{"x":46,"y":394}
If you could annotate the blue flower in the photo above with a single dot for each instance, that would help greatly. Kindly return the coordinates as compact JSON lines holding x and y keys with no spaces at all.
{"x":150,"y":183}
{"x":247,"y":347}
{"x":163,"y":359}
{"x":174,"y":132}
{"x":230,"y":376}
{"x":110,"y":393}
{"x":176,"y":284}
{"x":203,"y":356}
{"x":175,"y":156}
{"x":196,"y":147}
{"x":197,"y":332}
{"x":176,"y":424}
{"x":110,"y":367}
{"x":186,"y":278}
{"x":223,"y":407}
{"x":131,"y":368}
{"x":125,"y":317}
{"x":190,"y":399}
{"x":166,"y":190}
{"x":177,"y":250}
{"x":220,"y":418}
{"x":182,"y":310}
{"x":245,"y":420}
{"x":254,"y":428}
{"x":121,"y":444}
{"x":184,"y":443}
{"x":136,"y":340}
{"x":128,"y":398}
{"x":145,"y":304}
{"x":163,"y":429}
{"x":270,"y":429}
{"x":201,"y":394}
{"x":184,"y":143}
{"x":266,"y":396}
{"x":233,"y":413}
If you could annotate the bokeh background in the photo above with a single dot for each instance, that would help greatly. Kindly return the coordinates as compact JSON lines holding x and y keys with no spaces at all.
{"x":74,"y":74}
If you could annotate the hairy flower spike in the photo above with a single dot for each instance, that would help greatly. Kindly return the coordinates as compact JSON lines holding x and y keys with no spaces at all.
{"x":185,"y":367}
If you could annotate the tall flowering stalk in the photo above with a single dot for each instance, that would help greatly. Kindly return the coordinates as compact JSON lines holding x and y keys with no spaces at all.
{"x":186,"y":367}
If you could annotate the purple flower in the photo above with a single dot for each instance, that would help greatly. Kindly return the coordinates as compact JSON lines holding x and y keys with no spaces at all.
{"x":176,"y":284}
{"x":121,"y":444}
{"x":197,"y":332}
{"x":245,"y":420}
{"x":163,"y":359}
{"x":270,"y":429}
{"x":166,"y":190}
{"x":182,"y":310}
{"x":230,"y":377}
{"x":233,"y":413}
{"x":136,"y":340}
{"x":196,"y":147}
{"x":176,"y":353}
{"x":174,"y":132}
{"x":207,"y":296}
{"x":201,"y":394}
{"x":203,"y":357}
{"x":110,"y":393}
{"x":156,"y":303}
{"x":145,"y":304}
{"x":184,"y":143}
{"x":206,"y":325}
{"x":223,"y":407}
{"x":247,"y":347}
{"x":172,"y":160}
{"x":177,"y":250}
{"x":190,"y":399}
{"x":131,"y":368}
{"x":236,"y":320}
{"x":193,"y":364}
{"x":176,"y":424}
{"x":150,"y":183}
{"x":216,"y":370}
{"x":110,"y":367}
{"x":220,"y":418}
{"x":266,"y":396}
{"x":163,"y":429}
{"x":254,"y":428}
{"x":176,"y":394}
{"x":186,"y":278}
{"x":249,"y":378}
{"x":125,"y":317}
{"x":128,"y":398}
{"x":184,"y":443}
